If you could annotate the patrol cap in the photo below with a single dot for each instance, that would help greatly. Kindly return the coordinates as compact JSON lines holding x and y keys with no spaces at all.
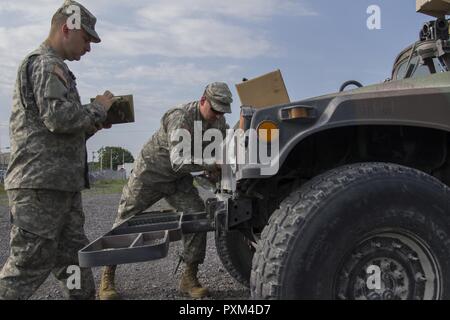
{"x":87,"y":19}
{"x":219,"y":96}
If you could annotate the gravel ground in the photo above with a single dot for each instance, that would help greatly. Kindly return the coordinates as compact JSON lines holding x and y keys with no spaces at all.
{"x":150,"y":280}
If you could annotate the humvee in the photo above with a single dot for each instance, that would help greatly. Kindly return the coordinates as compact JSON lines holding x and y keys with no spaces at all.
{"x":359,"y":205}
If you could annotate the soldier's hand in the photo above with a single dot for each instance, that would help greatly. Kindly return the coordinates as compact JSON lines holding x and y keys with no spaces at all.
{"x":214,"y":175}
{"x":105,"y":125}
{"x":106,"y":100}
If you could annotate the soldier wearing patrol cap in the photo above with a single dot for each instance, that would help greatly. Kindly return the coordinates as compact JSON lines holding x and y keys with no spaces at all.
{"x":159,"y":173}
{"x":48,"y":130}
{"x":219,"y":97}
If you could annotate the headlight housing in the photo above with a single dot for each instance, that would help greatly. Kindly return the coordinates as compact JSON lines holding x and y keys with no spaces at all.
{"x":268,"y":131}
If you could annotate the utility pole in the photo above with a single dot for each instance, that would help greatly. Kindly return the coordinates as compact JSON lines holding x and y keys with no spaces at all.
{"x":123,"y":158}
{"x":111,"y":158}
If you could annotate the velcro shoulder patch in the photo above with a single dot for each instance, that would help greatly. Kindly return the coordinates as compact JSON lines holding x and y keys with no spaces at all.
{"x":60,"y":73}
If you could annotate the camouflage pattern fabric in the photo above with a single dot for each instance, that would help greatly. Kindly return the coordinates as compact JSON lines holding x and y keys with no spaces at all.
{"x":45,"y":238}
{"x":49,"y":126}
{"x":88,"y":20}
{"x":157,"y":161}
{"x":219,"y":96}
{"x":48,"y":131}
{"x":155,"y":176}
{"x":137,"y":197}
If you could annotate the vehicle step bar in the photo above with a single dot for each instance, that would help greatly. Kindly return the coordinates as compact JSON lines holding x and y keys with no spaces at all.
{"x":143,"y":237}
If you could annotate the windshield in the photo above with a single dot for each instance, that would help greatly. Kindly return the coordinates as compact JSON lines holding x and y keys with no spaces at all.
{"x":417,"y":68}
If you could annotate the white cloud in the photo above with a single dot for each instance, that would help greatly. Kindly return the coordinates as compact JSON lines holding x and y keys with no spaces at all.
{"x":162,"y":52}
{"x":29,"y":10}
{"x":202,"y":28}
{"x":163,"y":12}
{"x":157,"y":87}
{"x":179,"y":28}
{"x":192,"y":38}
{"x":15,"y":43}
{"x":178,"y":74}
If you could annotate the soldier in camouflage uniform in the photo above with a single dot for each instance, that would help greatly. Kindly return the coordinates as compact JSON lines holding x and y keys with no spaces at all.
{"x":159,"y":173}
{"x":48,"y":169}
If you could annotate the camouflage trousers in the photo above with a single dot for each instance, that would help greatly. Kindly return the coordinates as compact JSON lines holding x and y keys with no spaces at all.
{"x":46,"y":234}
{"x":140,"y":193}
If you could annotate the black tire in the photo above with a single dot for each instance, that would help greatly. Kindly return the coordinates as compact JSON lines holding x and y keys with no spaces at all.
{"x":236,"y":254}
{"x":325,"y":235}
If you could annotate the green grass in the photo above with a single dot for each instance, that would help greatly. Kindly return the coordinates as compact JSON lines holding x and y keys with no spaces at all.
{"x":106,"y":187}
{"x":100,"y":187}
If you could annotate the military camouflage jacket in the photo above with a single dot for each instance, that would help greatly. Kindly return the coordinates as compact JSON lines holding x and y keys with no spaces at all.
{"x":49,"y":126}
{"x":156,"y":161}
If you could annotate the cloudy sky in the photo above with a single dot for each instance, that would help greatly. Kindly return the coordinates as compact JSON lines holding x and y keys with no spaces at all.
{"x":165,"y":51}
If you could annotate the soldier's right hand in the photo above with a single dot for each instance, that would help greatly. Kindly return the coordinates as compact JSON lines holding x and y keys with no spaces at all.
{"x":106,"y":100}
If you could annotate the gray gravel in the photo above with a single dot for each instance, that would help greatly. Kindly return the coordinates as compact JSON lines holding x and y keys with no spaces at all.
{"x":150,"y":280}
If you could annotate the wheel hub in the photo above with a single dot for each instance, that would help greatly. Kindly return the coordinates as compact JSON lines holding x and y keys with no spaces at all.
{"x":389,"y":266}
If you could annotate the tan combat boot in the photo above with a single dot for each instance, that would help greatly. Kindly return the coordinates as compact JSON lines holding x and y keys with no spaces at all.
{"x":107,"y":289}
{"x":189,"y":283}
